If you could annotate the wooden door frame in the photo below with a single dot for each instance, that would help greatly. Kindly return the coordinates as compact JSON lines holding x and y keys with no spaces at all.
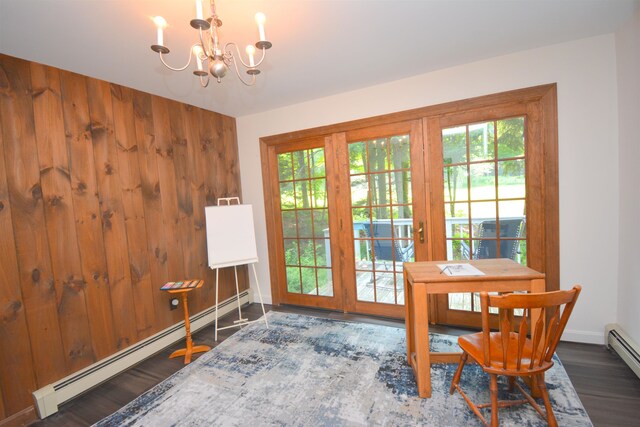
{"x":539,"y":101}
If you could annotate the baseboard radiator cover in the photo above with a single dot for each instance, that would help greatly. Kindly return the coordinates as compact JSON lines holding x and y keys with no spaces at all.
{"x":48,"y":398}
{"x":624,"y":345}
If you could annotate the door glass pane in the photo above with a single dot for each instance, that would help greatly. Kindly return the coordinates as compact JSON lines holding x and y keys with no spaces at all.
{"x":382,"y":216}
{"x":483,"y":181}
{"x":484,"y":195}
{"x":510,"y":134}
{"x":285,"y":166}
{"x":378,"y":154}
{"x":305,"y":222}
{"x":289,"y":226}
{"x":316,"y":163}
{"x":455,"y":183}
{"x":358,"y":158}
{"x":454,"y":145}
{"x":379,"y":185}
{"x":481,"y":146}
{"x":293,"y":280}
{"x":511,"y":179}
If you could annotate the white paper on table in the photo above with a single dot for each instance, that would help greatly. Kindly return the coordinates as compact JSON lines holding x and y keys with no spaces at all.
{"x":459,"y":270}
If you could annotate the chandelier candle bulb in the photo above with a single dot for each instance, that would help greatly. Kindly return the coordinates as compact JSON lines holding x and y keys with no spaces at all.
{"x":160,"y":25}
{"x":251,"y":51}
{"x":198,"y":9}
{"x":260,"y":19}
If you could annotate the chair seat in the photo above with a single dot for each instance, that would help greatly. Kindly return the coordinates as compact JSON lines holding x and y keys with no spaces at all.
{"x":472,"y":344}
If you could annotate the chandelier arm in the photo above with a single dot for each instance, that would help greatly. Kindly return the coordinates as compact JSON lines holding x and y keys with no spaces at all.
{"x":264,"y":53}
{"x":178,"y":69}
{"x":203,"y":82}
{"x":239,"y":57}
{"x":253,"y":76}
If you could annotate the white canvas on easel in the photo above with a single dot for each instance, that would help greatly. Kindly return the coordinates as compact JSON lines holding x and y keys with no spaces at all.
{"x":230,"y":235}
{"x":231,"y":241}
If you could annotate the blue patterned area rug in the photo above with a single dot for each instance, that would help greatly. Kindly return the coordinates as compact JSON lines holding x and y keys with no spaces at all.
{"x":305,"y":370}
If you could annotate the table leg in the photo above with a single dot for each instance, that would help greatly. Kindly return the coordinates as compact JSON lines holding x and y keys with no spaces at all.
{"x":190,"y":349}
{"x":537,"y":286}
{"x":421,"y":339}
{"x":408,"y":317}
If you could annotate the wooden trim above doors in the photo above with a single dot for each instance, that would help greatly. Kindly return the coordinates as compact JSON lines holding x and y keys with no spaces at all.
{"x":525,"y":95}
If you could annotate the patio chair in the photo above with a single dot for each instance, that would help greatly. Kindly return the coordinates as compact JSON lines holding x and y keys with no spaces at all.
{"x":386,"y":248}
{"x":485,"y":246}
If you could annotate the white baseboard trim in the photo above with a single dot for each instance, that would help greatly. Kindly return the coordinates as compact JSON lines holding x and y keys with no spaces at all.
{"x":48,"y":398}
{"x":585,"y":337}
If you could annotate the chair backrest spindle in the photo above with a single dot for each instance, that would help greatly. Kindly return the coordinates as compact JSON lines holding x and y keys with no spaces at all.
{"x":522,"y":338}
{"x":538,"y":346}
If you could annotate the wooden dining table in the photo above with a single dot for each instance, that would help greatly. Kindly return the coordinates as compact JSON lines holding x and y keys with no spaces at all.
{"x":425,"y":278}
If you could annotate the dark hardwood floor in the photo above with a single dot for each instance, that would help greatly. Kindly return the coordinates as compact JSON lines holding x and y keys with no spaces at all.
{"x":609,"y":390}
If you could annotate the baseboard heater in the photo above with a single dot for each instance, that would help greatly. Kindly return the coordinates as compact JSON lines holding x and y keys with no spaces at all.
{"x":622,"y":344}
{"x":48,"y":398}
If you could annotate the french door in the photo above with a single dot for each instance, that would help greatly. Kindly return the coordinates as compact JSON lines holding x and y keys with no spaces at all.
{"x":344,"y":217}
{"x":383,"y":171}
{"x":305,"y":253}
{"x":347,"y":205}
{"x":480,"y":163}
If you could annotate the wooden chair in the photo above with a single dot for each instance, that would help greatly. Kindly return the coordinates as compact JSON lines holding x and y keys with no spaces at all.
{"x":514,"y":354}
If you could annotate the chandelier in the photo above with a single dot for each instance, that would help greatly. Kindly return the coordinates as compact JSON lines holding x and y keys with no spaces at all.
{"x":208,"y":52}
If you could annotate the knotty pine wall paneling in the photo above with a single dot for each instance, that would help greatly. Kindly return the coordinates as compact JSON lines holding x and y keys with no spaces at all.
{"x":102,"y":196}
{"x":37,"y":290}
{"x":15,"y":358}
{"x":59,"y":213}
{"x":114,"y":263}
{"x":151,"y":201}
{"x":167,"y":185}
{"x":127,"y":153}
{"x":91,"y":283}
{"x":184,"y":225}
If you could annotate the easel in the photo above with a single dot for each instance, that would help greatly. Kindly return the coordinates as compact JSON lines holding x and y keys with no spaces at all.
{"x":241,"y":321}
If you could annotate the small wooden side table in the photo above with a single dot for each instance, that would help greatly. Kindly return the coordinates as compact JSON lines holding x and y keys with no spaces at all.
{"x":183,"y":288}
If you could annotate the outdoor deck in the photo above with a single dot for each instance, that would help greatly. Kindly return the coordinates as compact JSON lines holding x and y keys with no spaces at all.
{"x":382,"y":289}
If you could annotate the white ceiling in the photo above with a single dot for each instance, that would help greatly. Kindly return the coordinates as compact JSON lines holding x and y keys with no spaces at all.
{"x":320,"y":47}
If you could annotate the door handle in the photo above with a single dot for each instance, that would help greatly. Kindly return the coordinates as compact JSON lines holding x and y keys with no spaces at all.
{"x":421,"y":231}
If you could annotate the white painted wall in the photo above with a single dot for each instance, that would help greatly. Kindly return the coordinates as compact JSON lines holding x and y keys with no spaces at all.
{"x":627,"y":41}
{"x":585,"y":71}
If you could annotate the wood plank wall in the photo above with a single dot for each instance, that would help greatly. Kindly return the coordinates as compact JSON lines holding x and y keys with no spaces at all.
{"x":102,"y":196}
